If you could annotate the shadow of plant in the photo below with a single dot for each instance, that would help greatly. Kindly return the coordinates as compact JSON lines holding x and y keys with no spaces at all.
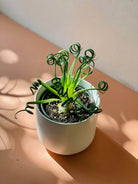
{"x":13,"y":158}
{"x":19,"y":167}
{"x":102,"y":162}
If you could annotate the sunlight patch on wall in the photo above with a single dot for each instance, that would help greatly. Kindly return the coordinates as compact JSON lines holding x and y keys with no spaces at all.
{"x":39,"y":156}
{"x":22,"y":87}
{"x":37,"y":150}
{"x":107,"y":122}
{"x":14,"y":87}
{"x":8,"y":103}
{"x":8,"y":56}
{"x":132,"y":147}
{"x":130,"y":129}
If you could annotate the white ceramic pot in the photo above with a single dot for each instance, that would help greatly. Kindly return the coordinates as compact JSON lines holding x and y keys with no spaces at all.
{"x":66,"y":138}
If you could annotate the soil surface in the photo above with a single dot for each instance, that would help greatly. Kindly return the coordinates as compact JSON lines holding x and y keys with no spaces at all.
{"x":52,"y":111}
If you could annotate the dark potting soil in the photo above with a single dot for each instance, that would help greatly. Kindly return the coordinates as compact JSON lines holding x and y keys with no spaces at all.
{"x":52,"y":111}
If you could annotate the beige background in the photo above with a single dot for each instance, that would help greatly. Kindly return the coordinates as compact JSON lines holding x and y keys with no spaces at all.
{"x":109,"y":27}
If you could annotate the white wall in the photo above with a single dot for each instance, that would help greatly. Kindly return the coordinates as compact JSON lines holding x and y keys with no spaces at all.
{"x":110,"y":27}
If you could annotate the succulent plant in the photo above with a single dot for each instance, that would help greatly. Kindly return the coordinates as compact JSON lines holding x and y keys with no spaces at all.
{"x":65,"y":88}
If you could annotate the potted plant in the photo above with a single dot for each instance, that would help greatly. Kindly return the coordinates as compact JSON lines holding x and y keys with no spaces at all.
{"x":66,"y":106}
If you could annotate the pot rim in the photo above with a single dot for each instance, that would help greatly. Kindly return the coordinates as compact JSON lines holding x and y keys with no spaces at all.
{"x":62,"y":123}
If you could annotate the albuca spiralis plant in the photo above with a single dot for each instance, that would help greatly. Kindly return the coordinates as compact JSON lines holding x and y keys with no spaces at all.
{"x":64,"y":88}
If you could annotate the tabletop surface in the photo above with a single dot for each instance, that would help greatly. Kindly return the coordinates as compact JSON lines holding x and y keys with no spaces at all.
{"x":112,"y":156}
